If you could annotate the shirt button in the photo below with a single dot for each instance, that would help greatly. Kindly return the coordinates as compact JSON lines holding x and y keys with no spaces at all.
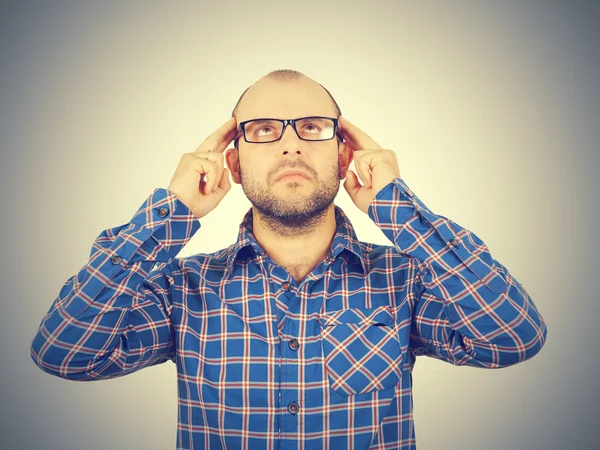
{"x":293,"y":344}
{"x":286,"y":286}
{"x":454,"y":242}
{"x":162,"y":212}
{"x":293,"y":408}
{"x":116,"y":259}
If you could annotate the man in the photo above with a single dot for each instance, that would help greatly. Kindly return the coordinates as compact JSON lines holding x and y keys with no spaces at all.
{"x":298,"y":334}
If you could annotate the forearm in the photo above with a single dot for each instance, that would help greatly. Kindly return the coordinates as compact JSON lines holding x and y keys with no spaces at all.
{"x":470,"y":309}
{"x":112,"y":318}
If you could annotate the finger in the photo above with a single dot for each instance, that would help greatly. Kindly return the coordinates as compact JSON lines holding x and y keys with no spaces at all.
{"x":356,"y":135}
{"x":352,"y":185}
{"x":217,"y":158}
{"x":224,"y":135}
{"x":228,"y":139}
{"x":221,"y":138}
{"x":207,"y":170}
{"x":361,"y":164}
{"x":211,"y":178}
{"x":224,"y":184}
{"x":350,"y":141}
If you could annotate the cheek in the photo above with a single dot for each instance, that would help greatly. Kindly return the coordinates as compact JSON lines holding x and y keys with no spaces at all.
{"x":331,"y":164}
{"x":253,"y":169}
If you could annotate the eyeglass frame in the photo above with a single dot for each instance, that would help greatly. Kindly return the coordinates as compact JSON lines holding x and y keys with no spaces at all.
{"x":286,"y":122}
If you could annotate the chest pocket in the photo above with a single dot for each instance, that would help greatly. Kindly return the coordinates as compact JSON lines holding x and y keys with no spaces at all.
{"x":361,"y":350}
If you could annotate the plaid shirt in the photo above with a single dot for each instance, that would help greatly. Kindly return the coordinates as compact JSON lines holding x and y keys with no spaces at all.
{"x":264,"y":362}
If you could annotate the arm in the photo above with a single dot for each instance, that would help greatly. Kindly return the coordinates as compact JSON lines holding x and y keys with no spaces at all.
{"x":113,"y":317}
{"x":469,"y":309}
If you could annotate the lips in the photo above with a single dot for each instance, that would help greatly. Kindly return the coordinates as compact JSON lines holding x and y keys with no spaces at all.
{"x":292,"y":174}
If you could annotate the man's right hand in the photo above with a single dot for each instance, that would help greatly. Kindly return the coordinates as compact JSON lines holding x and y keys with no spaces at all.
{"x":200,"y":180}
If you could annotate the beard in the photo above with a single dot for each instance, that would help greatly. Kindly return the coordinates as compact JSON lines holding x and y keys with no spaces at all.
{"x":292,"y":214}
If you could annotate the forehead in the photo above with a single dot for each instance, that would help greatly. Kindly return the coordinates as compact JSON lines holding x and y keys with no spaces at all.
{"x":285,"y":100}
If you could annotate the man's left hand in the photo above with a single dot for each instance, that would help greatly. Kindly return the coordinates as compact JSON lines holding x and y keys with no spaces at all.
{"x":376,"y":167}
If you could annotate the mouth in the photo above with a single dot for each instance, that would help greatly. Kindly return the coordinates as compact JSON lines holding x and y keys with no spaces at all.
{"x":292,"y":175}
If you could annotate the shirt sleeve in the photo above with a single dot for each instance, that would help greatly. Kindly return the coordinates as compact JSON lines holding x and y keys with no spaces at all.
{"x":468,"y":310}
{"x":113,"y":316}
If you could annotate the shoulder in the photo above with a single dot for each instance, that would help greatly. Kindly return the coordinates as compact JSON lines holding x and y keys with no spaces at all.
{"x":209,"y":266}
{"x":379,"y":257}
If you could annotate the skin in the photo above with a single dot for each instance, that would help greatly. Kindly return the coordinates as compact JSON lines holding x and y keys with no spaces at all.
{"x":293,"y":218}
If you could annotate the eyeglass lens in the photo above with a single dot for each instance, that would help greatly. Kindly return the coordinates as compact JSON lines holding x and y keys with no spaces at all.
{"x":310,"y":129}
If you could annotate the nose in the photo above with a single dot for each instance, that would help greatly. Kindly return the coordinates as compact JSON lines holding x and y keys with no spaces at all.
{"x":290,"y":142}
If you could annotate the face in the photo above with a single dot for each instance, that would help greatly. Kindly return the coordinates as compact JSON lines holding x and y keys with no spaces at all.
{"x":260,"y":168}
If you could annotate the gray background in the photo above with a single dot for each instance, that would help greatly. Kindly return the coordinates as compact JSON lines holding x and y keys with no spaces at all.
{"x":492,"y":108}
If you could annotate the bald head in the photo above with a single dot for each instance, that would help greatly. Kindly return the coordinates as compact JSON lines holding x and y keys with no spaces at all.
{"x":286,"y":76}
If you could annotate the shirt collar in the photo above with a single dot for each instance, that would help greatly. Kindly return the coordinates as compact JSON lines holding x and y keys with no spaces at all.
{"x":344,"y":240}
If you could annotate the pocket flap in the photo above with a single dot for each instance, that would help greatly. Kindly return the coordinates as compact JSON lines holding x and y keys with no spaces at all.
{"x":382,"y":315}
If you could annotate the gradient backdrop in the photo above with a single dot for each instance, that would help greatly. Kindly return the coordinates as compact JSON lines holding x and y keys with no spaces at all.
{"x":492,"y":108}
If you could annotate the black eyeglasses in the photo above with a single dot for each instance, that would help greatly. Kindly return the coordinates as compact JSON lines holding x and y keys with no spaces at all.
{"x":314,"y":128}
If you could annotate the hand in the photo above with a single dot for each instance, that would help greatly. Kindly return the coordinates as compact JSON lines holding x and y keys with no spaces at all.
{"x":200,"y":181}
{"x":376,"y":167}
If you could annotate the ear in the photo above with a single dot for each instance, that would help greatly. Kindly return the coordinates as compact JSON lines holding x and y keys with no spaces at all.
{"x":346,"y":154}
{"x":232,"y":159}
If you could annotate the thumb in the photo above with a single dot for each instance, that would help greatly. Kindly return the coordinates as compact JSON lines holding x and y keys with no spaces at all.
{"x":352,"y":185}
{"x":224,"y":183}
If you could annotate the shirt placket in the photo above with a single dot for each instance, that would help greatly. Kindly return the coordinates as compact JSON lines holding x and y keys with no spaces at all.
{"x":284,"y":288}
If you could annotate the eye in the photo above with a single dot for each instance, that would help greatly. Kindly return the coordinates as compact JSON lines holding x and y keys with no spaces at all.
{"x":311,"y":127}
{"x":264,"y":127}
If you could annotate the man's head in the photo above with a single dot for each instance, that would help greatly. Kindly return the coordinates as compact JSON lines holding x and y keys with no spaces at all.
{"x":294,"y":201}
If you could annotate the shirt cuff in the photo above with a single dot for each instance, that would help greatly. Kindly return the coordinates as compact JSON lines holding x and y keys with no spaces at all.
{"x":170,"y":222}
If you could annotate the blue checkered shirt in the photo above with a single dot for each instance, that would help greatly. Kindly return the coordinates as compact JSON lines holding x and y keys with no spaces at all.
{"x":264,"y":362}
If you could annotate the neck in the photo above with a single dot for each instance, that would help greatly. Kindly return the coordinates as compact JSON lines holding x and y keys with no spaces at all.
{"x":298,"y":247}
